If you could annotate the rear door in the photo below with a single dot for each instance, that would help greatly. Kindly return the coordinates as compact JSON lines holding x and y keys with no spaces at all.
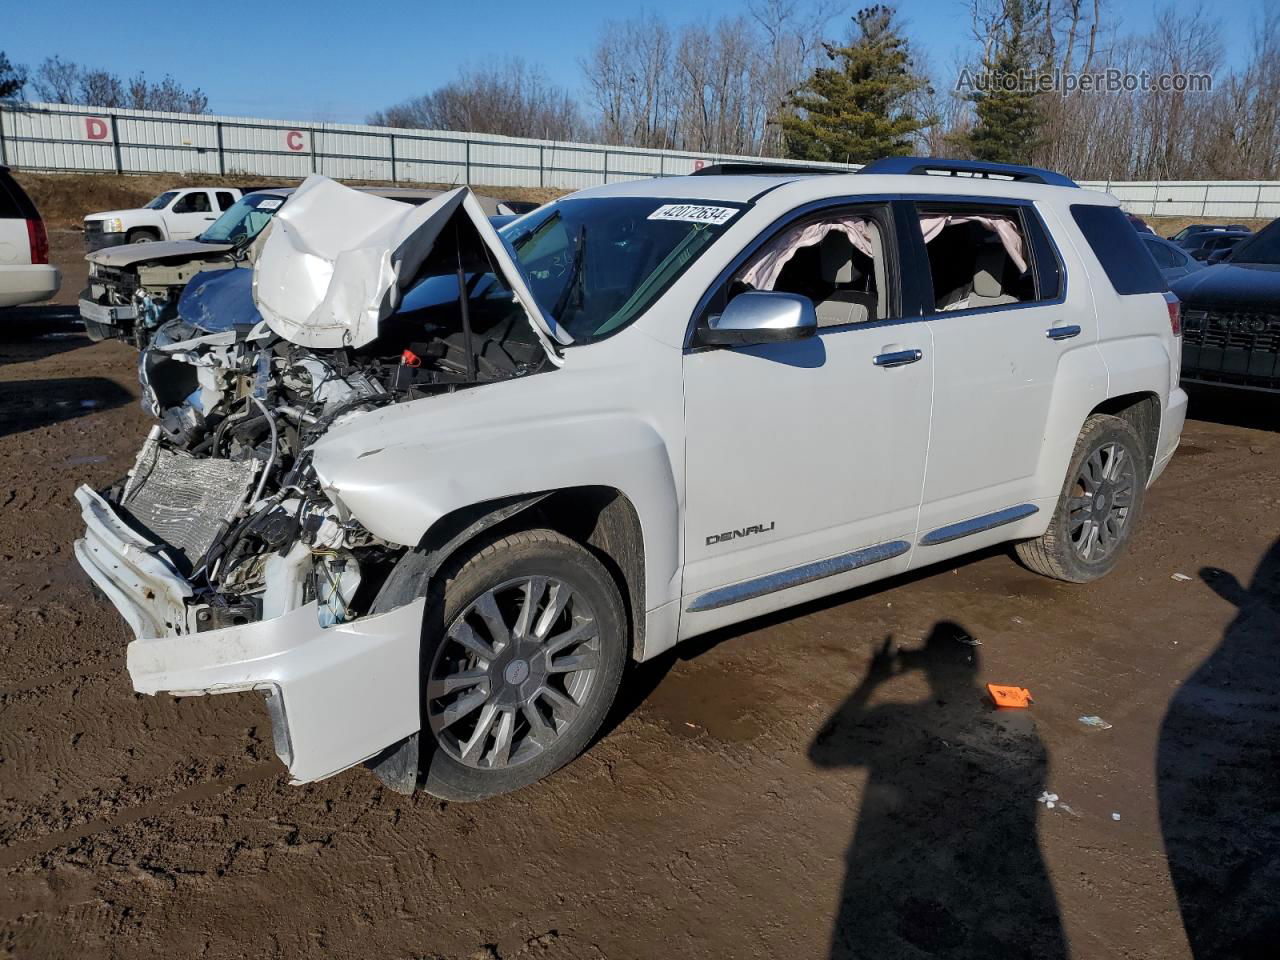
{"x":190,"y":214}
{"x":1001,"y":323}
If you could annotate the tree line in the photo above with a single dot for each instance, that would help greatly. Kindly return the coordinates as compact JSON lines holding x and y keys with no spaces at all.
{"x":56,"y":80}
{"x":770,"y":82}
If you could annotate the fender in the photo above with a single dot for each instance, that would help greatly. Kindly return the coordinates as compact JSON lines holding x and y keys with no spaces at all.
{"x":1079,"y":385}
{"x":399,"y":469}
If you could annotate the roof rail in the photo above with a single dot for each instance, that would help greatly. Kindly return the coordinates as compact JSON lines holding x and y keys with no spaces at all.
{"x":761,"y":170}
{"x":977,"y":169}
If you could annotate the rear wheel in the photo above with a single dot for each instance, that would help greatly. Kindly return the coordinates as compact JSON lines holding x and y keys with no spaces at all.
{"x":1098,"y":507}
{"x":525,"y":668}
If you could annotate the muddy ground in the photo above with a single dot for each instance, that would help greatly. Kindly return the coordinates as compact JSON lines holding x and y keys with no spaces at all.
{"x":776,"y":790}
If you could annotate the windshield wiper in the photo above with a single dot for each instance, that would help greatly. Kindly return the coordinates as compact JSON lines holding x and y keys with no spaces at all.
{"x":575,"y":274}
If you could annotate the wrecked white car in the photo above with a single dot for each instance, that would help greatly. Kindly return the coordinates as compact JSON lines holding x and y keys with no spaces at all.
{"x":452,"y":481}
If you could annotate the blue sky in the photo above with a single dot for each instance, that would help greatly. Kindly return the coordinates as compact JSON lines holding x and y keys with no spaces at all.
{"x":323,"y":60}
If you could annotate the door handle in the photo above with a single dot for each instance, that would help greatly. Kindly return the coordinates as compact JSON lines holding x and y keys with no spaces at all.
{"x":1062,"y":333}
{"x":898,"y":358}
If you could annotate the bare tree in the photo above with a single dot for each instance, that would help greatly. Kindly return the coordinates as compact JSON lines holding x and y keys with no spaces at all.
{"x":511,"y":99}
{"x":56,"y":81}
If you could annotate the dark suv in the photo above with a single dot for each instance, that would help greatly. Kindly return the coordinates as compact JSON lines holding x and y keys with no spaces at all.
{"x":1231,"y":317}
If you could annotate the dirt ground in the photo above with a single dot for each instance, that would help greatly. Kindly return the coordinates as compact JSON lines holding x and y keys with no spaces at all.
{"x":777,"y":790}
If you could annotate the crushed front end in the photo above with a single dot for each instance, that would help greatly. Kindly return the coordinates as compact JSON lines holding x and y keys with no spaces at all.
{"x":234,"y":569}
{"x":235,"y":566}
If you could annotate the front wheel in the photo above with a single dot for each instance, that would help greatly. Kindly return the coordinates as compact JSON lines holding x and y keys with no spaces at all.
{"x":1098,"y":507}
{"x":525,"y":668}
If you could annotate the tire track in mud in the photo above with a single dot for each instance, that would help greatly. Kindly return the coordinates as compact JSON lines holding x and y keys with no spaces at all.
{"x":15,"y":853}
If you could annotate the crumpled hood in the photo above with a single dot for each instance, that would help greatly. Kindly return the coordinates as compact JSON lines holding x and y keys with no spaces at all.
{"x":338,"y":261}
{"x":131,"y":253}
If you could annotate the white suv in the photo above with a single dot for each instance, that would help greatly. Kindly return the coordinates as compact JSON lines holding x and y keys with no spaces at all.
{"x":25,"y":273}
{"x":432,"y":529}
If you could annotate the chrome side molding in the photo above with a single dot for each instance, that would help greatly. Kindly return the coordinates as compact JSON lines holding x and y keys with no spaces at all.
{"x":794,"y":577}
{"x":978,"y":524}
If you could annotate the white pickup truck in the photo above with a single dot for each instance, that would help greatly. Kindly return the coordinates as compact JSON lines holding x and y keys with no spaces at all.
{"x":174,"y":215}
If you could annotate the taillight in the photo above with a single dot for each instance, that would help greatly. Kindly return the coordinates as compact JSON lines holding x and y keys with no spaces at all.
{"x":39,"y":241}
{"x":1175,"y":313}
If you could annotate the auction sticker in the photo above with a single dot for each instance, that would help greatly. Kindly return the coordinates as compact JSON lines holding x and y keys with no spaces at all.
{"x":270,"y":203}
{"x":693,"y":213}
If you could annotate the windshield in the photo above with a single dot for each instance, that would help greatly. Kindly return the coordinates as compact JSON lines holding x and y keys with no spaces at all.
{"x":596,"y":264}
{"x":244,"y":219}
{"x":1262,"y":247}
{"x":162,"y":201}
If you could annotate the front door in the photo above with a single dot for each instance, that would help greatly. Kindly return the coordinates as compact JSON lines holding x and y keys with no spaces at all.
{"x":809,"y":450}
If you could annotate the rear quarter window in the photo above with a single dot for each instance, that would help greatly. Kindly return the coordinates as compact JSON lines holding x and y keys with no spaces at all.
{"x":14,"y":202}
{"x":1119,"y":249}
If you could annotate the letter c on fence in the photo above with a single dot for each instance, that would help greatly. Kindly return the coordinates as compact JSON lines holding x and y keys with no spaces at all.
{"x":293,"y":140}
{"x":95,"y":128}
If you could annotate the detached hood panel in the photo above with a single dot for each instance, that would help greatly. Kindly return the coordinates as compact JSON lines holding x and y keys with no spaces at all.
{"x":132,"y":253}
{"x":337,"y":262}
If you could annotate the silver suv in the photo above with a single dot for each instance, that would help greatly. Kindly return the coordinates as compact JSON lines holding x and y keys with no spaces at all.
{"x":454,"y":480}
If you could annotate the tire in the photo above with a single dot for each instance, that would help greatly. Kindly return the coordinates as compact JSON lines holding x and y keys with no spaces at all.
{"x":1112,"y":509}
{"x":143,"y":235}
{"x":455,"y":763}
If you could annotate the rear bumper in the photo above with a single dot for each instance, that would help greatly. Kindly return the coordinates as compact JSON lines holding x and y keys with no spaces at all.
{"x":336,"y":695}
{"x":28,"y":283}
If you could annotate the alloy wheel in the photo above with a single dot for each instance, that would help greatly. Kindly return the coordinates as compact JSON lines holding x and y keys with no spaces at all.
{"x":513,"y":672}
{"x":1102,"y":501}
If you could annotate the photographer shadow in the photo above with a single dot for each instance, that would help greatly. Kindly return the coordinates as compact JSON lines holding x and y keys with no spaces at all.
{"x":944,"y":860}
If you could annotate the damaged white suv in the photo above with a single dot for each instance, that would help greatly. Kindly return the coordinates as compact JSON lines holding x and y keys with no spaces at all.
{"x":452,"y":481}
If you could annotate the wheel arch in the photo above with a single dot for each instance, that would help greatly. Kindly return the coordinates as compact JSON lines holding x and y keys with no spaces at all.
{"x":1142,"y":410}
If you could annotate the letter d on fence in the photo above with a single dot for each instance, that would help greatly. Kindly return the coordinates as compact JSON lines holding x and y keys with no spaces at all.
{"x":95,"y":128}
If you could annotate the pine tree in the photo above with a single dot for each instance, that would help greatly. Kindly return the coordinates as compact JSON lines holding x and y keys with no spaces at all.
{"x":860,"y":108}
{"x":1008,"y":116}
{"x":12,"y":77}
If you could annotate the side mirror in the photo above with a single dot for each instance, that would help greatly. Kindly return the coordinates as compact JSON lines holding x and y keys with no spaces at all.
{"x":759,"y":317}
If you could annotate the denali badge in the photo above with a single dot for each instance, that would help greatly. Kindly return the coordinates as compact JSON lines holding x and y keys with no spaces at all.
{"x":735,"y":534}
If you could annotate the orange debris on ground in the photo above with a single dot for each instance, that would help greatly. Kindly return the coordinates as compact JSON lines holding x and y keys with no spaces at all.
{"x":1009,"y":696}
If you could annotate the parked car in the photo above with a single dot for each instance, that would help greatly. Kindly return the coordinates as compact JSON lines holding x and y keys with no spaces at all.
{"x":1231,"y":311}
{"x":26,"y":275}
{"x":135,"y":288}
{"x":1174,"y":262}
{"x":456,"y":480}
{"x":1195,"y":228}
{"x":1139,"y":224}
{"x":180,"y":214}
{"x":1200,"y":245}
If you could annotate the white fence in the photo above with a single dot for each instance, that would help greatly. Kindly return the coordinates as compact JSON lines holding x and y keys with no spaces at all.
{"x":1210,"y":199}
{"x":70,"y":138}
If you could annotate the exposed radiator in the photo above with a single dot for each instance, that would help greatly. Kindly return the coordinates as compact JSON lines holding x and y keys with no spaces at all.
{"x":181,"y":501}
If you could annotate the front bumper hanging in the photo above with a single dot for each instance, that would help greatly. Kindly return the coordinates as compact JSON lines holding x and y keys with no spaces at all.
{"x":336,"y":695}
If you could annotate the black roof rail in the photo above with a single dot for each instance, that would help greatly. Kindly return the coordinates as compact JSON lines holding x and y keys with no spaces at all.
{"x":977,"y":169}
{"x":762,"y":170}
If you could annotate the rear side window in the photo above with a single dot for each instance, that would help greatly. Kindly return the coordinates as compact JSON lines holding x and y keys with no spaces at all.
{"x":1119,"y":249}
{"x":986,"y":255}
{"x":1162,"y":255}
{"x":225,"y":200}
{"x":14,"y":203}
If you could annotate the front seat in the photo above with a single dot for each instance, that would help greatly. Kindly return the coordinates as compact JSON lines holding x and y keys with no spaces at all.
{"x":841,"y":306}
{"x":988,"y":288}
